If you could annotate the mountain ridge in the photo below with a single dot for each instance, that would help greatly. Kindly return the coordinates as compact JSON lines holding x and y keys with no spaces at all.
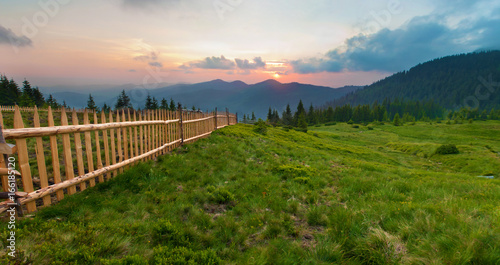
{"x":463,"y":80}
{"x":236,"y":95}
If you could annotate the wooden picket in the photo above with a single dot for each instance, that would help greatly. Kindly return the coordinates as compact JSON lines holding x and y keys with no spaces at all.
{"x":98,"y":148}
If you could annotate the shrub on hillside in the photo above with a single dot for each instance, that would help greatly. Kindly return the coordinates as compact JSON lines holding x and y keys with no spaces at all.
{"x":397,"y":120}
{"x":165,"y":233}
{"x":294,"y":171}
{"x":260,"y":127}
{"x":302,"y":180}
{"x":182,"y":255}
{"x":447,"y":149}
{"x":135,"y":260}
{"x":220,"y":195}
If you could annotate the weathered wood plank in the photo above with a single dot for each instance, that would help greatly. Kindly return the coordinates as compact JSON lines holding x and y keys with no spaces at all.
{"x":40,"y":159}
{"x":22,"y":151}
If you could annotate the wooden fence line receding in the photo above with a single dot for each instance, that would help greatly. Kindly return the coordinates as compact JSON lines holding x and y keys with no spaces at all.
{"x":66,"y":151}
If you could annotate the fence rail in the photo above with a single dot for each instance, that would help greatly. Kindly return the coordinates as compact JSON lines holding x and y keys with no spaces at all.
{"x":58,"y":160}
{"x":32,"y":109}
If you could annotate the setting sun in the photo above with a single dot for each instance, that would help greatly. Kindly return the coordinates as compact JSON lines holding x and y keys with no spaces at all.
{"x":276,"y":75}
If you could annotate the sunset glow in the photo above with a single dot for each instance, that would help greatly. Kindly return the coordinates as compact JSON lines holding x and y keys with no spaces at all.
{"x":326,"y":43}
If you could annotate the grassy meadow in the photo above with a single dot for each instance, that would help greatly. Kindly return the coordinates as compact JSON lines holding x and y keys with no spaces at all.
{"x":375,"y":194}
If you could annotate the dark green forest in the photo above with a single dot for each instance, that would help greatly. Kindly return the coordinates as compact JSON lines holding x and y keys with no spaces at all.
{"x":465,"y":80}
{"x":28,"y":96}
{"x":398,"y":111}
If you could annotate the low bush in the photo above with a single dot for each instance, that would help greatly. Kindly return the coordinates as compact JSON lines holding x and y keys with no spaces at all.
{"x":302,"y":180}
{"x":447,"y":149}
{"x":165,"y":233}
{"x":316,"y":216}
{"x":294,"y":171}
{"x":129,"y":260}
{"x":182,"y":255}
{"x":260,"y":127}
{"x":220,"y":195}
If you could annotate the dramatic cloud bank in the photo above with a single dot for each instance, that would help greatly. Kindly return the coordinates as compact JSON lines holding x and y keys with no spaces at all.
{"x":222,"y":63}
{"x":421,"y":39}
{"x":10,"y":38}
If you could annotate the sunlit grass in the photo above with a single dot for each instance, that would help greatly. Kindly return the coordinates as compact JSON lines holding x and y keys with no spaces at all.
{"x":336,"y":194}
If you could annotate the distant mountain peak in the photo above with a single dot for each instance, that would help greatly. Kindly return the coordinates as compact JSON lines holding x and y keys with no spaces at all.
{"x":270,"y":82}
{"x":238,"y":82}
{"x":217,"y":81}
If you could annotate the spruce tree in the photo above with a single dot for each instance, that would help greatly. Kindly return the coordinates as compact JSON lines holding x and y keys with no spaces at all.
{"x":493,"y":115}
{"x":149,"y":103}
{"x":90,"y":103}
{"x":52,"y":102}
{"x":253,"y":116}
{"x":287,"y":116}
{"x":397,"y":120}
{"x":300,"y":110}
{"x":311,"y":115}
{"x":106,"y":108}
{"x":154,"y":103}
{"x":301,"y":122}
{"x":164,"y":104}
{"x":9,"y":91}
{"x":38,"y":98}
{"x":172,"y":105}
{"x":26,"y":99}
{"x":123,"y":101}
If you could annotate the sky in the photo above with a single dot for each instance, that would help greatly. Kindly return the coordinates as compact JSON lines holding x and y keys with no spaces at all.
{"x":322,"y":42}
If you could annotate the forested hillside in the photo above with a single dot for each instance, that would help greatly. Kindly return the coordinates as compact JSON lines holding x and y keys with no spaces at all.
{"x":465,"y":80}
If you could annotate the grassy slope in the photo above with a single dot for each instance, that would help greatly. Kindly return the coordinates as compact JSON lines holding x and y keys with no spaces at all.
{"x":335,"y":194}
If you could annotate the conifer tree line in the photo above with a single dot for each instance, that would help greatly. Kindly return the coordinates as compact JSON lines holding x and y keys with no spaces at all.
{"x":398,"y":111}
{"x":28,"y":96}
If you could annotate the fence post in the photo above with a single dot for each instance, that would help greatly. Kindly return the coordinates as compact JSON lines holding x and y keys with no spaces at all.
{"x":236,"y":117}
{"x":227,"y":114}
{"x":180,"y":123}
{"x":5,"y":151}
{"x":215,"y":118}
{"x":23,"y":156}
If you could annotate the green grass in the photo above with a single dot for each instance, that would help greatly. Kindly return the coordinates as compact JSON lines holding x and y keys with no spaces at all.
{"x":336,"y":194}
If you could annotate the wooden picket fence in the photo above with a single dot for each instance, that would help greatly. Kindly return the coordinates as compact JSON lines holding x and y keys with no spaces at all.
{"x":32,"y":109}
{"x":61,"y":159}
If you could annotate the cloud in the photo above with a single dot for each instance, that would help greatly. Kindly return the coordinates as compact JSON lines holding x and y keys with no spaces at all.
{"x":132,"y":70}
{"x":143,"y":58}
{"x":156,"y":64}
{"x":10,"y":38}
{"x":316,"y":65}
{"x":421,"y":39}
{"x":245,"y":64}
{"x":155,"y":5}
{"x":142,"y":3}
{"x":222,"y":63}
{"x":211,"y":63}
